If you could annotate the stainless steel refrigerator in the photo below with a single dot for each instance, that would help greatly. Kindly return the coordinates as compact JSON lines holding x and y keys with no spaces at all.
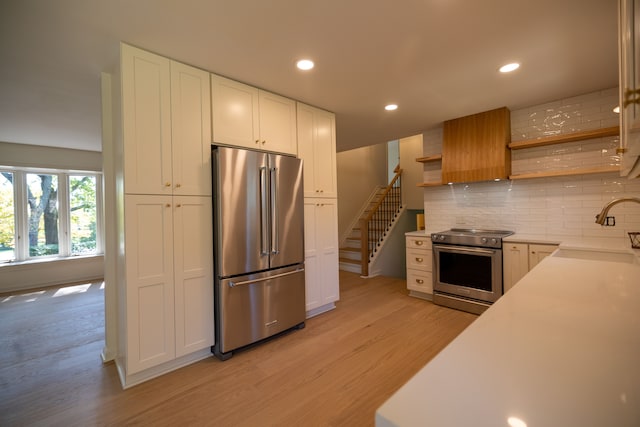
{"x":259,"y":246}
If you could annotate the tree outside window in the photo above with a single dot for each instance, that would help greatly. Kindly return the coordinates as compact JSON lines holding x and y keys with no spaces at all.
{"x":7,"y":213}
{"x":42,"y":207}
{"x":82,"y":207}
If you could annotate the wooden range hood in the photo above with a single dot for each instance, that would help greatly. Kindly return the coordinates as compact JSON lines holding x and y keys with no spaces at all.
{"x":475,"y":148}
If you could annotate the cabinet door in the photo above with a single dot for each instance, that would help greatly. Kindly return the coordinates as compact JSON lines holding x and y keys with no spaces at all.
{"x":149,"y":281}
{"x":420,"y":281}
{"x":190,"y":130}
{"x":234,"y":112}
{"x":317,"y":148}
{"x":629,"y":27}
{"x":538,"y":252}
{"x":321,"y":252}
{"x":146,"y":116}
{"x":193,"y":264}
{"x":277,"y":123}
{"x":515,"y":263}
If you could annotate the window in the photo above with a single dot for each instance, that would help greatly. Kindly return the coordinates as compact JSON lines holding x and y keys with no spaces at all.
{"x":45,"y":214}
{"x":7,"y":213}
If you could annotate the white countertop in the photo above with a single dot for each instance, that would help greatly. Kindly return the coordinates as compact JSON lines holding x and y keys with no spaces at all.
{"x":561,"y":348}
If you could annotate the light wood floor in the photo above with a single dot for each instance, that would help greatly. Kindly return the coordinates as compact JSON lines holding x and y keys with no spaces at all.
{"x":335,"y":372}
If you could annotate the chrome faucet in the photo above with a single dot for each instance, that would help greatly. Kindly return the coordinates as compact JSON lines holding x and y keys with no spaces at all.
{"x":602,"y":216}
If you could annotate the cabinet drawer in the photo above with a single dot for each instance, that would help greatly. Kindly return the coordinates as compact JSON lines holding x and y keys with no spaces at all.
{"x":418,"y":242}
{"x":419,"y":259}
{"x":420,"y":281}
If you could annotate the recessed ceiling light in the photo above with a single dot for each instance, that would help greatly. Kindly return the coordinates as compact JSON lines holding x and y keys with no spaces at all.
{"x":617,"y":109}
{"x":305,"y":64}
{"x":509,"y":67}
{"x":391,"y":107}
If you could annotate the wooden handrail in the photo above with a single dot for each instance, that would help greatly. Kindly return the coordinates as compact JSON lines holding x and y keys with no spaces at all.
{"x":384,"y":195}
{"x":365,"y":249}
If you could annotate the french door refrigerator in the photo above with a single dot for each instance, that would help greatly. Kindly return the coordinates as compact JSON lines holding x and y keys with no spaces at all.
{"x":259,"y":246}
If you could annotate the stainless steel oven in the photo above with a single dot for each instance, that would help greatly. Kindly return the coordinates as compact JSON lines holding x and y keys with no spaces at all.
{"x":467,"y":273}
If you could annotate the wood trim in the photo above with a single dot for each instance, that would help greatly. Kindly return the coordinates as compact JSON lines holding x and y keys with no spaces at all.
{"x":568,"y":172}
{"x":428,"y":159}
{"x":559,"y":139}
{"x":429,"y":184}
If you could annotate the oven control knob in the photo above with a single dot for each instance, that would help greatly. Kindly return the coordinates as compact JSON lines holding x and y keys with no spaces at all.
{"x":494,"y":241}
{"x":441,"y":237}
{"x":483,"y":240}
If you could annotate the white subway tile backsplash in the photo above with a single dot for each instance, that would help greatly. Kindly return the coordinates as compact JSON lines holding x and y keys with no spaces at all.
{"x":555,"y":205}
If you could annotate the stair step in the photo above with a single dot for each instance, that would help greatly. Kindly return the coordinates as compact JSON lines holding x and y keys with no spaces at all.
{"x":350,"y":261}
{"x":350,"y":249}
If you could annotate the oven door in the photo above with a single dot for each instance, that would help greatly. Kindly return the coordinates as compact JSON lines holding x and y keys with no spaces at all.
{"x":468,"y":272}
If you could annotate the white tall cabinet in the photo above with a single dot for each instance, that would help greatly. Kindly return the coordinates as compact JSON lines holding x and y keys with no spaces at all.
{"x":162,"y":179}
{"x":317,"y":149}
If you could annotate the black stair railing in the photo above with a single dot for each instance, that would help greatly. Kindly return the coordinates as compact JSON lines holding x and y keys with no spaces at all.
{"x":375,"y":226}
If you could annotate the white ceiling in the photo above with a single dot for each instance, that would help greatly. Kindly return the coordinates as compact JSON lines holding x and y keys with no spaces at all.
{"x":437,"y":59}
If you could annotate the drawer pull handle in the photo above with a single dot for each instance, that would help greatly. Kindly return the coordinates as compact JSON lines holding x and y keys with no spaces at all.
{"x":419,"y":281}
{"x":419,"y":259}
{"x":419,"y":242}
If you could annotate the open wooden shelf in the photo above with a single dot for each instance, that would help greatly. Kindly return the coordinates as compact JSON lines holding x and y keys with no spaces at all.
{"x":581,"y":171}
{"x":570,"y":137}
{"x":428,"y":159}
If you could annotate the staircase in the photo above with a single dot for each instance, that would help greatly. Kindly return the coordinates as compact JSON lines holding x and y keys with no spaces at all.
{"x":378,"y":216}
{"x":350,"y":252}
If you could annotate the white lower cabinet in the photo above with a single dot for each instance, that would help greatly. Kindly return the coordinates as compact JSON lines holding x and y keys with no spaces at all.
{"x":321,"y":254}
{"x":519,"y":258}
{"x":169,"y":275}
{"x":419,"y":266}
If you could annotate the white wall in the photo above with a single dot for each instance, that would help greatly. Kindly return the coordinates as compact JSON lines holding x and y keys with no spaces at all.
{"x":359,"y":172}
{"x":25,"y":155}
{"x":559,"y":205}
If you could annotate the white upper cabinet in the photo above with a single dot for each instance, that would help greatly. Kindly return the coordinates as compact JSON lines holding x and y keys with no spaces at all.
{"x":630,"y":86}
{"x":317,"y":148}
{"x":235,"y":112}
{"x":146,"y":117}
{"x":190,"y":130}
{"x":166,"y":125}
{"x":247,"y":117}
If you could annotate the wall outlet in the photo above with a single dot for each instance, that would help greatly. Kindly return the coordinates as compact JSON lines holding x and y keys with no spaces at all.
{"x":610,"y":221}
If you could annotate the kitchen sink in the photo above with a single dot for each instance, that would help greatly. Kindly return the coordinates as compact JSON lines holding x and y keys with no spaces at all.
{"x":597,"y":255}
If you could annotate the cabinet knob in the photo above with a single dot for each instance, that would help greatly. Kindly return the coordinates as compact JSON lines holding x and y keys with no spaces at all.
{"x":419,"y":242}
{"x":168,"y":205}
{"x":419,"y":259}
{"x":419,"y":281}
{"x":178,"y":185}
{"x":178,"y":205}
{"x":263,"y":142}
{"x":257,"y":141}
{"x":167,"y":184}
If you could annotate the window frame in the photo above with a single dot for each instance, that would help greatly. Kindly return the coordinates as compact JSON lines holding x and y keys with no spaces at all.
{"x":21,"y":226}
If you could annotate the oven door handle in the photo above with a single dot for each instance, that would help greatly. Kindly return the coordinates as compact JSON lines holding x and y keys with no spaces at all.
{"x":465,"y":250}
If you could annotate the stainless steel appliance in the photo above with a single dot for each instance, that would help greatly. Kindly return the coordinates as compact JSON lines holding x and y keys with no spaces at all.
{"x":467,"y":272}
{"x":259,"y":246}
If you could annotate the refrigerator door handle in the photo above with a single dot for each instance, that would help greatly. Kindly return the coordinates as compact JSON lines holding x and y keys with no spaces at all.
{"x":248,"y":282}
{"x":275,"y":244}
{"x":264,"y":215}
